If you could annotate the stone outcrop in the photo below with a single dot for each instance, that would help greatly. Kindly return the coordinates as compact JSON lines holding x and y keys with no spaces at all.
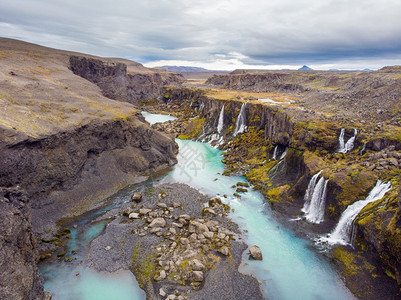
{"x":20,"y":276}
{"x":116,"y":82}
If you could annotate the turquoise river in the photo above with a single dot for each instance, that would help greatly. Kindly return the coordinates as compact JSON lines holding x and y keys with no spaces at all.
{"x":291,"y":267}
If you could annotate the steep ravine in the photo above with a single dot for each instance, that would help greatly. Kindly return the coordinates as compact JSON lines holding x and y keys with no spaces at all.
{"x":312,"y":145}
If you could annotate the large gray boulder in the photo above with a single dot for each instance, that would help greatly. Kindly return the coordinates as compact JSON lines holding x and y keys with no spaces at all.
{"x":158,"y":222}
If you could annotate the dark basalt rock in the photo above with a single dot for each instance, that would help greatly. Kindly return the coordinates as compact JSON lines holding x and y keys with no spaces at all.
{"x":115,"y":81}
{"x":20,"y":278}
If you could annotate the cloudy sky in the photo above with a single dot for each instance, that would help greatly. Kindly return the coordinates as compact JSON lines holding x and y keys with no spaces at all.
{"x":216,"y":34}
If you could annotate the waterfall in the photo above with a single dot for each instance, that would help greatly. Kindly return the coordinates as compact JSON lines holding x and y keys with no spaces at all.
{"x":346,"y":147}
{"x":220,"y":123}
{"x":240,"y":123}
{"x":343,"y":232}
{"x":275,"y":153}
{"x":315,"y":211}
{"x":315,"y":199}
{"x":284,"y":153}
{"x":350,"y":143}
{"x":309,"y":192}
{"x":341,"y":141}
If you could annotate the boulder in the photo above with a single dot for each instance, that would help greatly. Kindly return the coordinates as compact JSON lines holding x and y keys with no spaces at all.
{"x":197,"y":227}
{"x":133,"y":216}
{"x":255,"y":253}
{"x":144,"y":211}
{"x":214,"y":201}
{"x":127,"y":211}
{"x":158,"y":222}
{"x":155,"y":230}
{"x":208,"y":234}
{"x":136,"y":197}
{"x":162,"y":292}
{"x":197,"y":265}
{"x":162,"y":275}
{"x":196,"y":276}
{"x":224,"y":250}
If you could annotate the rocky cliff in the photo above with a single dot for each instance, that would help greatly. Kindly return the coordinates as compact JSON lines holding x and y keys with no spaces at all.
{"x":118,"y":82}
{"x":18,"y":254}
{"x":362,"y":95}
{"x":65,"y":146}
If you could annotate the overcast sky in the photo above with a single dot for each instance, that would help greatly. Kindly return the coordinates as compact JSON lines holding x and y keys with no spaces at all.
{"x":216,"y":34}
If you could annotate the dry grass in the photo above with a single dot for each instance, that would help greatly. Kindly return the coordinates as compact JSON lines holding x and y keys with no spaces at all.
{"x":39,"y":95}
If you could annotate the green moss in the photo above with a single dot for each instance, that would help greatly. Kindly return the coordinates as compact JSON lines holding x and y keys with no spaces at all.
{"x":313,"y":162}
{"x":241,"y":190}
{"x":194,"y":129}
{"x":353,"y":188}
{"x":348,"y":260}
{"x":143,"y":266}
{"x":277,"y":194}
{"x":61,"y":254}
{"x":390,"y":274}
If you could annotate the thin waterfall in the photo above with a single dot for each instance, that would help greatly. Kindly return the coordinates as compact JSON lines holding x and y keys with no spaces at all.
{"x":341,"y":149}
{"x":220,"y":123}
{"x":315,"y":211}
{"x":284,"y":153}
{"x":309,"y":192}
{"x":275,"y":153}
{"x":342,"y":234}
{"x":240,"y":123}
{"x":349,"y":145}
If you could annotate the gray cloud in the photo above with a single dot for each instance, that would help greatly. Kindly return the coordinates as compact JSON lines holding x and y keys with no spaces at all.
{"x":274,"y":32}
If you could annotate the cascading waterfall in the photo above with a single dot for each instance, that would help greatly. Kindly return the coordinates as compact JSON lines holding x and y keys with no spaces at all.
{"x":315,"y":199}
{"x":284,"y":153}
{"x":342,"y":234}
{"x":349,"y":145}
{"x":216,"y":138}
{"x":240,"y":123}
{"x":315,"y":211}
{"x":220,"y":123}
{"x":341,"y":141}
{"x":275,"y":153}
{"x":309,"y":192}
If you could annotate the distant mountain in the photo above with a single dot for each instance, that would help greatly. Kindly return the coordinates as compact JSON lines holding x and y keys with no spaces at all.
{"x":305,"y":68}
{"x":182,"y":69}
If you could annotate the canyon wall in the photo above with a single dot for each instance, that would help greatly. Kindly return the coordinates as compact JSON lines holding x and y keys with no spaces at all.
{"x":118,"y":83}
{"x":65,"y":147}
{"x":312,"y":144}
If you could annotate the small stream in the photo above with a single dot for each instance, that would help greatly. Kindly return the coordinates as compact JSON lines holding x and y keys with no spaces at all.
{"x":75,"y":279}
{"x":291,"y":267}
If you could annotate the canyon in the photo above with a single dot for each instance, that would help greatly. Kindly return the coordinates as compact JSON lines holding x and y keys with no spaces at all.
{"x":312,"y":143}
